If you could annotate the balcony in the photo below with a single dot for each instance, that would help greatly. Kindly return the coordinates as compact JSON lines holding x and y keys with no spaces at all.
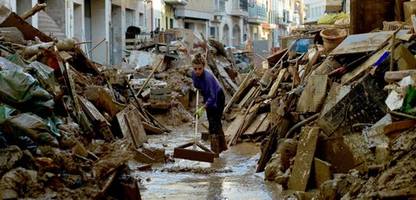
{"x":219,"y":8}
{"x":239,"y":8}
{"x":257,"y":14}
{"x":176,"y":2}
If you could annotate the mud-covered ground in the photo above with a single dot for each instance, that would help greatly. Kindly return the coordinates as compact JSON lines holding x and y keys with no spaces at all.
{"x":232,"y":176}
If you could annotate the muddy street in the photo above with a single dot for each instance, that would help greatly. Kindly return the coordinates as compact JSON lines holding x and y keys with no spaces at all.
{"x":232,"y":176}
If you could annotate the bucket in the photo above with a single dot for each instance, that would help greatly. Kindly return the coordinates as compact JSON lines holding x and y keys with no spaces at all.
{"x":332,"y":38}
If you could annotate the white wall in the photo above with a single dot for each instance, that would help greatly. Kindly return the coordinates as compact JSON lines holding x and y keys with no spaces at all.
{"x":11,"y":4}
{"x":315,"y":9}
{"x":117,"y":33}
{"x":100,"y":30}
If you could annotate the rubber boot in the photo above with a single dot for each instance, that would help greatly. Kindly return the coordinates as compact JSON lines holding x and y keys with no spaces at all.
{"x":223,"y":142}
{"x":215,"y":144}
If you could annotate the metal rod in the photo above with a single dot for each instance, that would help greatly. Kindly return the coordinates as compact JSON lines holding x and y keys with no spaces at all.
{"x":92,"y":49}
{"x":150,"y":76}
{"x":196,"y":119}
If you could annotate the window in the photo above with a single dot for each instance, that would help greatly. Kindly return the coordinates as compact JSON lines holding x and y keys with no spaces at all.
{"x":158,"y":22}
{"x":171,"y":22}
{"x":187,"y":25}
{"x":212,"y":32}
{"x":166,"y":23}
{"x":141,"y":19}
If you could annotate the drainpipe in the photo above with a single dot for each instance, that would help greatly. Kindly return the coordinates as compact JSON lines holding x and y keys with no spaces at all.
{"x":151,"y":15}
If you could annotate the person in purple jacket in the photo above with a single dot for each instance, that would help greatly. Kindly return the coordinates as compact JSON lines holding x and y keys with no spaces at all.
{"x":214,"y":101}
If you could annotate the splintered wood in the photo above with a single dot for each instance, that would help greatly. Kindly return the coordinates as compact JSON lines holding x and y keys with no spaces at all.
{"x":276,"y":84}
{"x":303,"y":161}
{"x":101,"y":125}
{"x":314,"y":94}
{"x":131,"y":125}
{"x":243,"y":123}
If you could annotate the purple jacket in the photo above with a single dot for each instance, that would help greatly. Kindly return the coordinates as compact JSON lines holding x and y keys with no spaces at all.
{"x":209,"y":87}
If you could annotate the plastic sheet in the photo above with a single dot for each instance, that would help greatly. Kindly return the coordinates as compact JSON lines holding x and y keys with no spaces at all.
{"x":30,"y":125}
{"x":21,"y":90}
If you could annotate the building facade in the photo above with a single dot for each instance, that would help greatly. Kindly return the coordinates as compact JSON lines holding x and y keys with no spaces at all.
{"x":101,"y":24}
{"x":316,"y":8}
{"x":258,"y":19}
{"x":231,"y":21}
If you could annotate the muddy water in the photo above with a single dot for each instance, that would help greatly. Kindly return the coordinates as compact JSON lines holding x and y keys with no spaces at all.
{"x":232,"y":176}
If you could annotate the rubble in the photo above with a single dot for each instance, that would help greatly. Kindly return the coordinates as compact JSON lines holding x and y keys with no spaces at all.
{"x":336,"y":120}
{"x":69,"y":126}
{"x":357,"y":95}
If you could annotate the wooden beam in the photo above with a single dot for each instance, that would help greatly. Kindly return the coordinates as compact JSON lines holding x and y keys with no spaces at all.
{"x":38,"y":7}
{"x":303,"y":161}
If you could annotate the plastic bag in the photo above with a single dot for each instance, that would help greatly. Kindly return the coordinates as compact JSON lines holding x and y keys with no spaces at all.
{"x":45,"y":76}
{"x":409,"y":102}
{"x":21,"y":90}
{"x":5,"y":112}
{"x":30,"y":125}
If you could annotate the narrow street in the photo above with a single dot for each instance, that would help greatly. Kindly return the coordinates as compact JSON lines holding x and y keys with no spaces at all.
{"x":232,"y":176}
{"x":314,"y":99}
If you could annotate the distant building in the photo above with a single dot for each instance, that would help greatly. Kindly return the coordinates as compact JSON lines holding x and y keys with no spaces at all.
{"x":316,"y":8}
{"x":100,"y":23}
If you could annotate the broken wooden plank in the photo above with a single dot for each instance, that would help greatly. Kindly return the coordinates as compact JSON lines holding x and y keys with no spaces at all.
{"x":248,"y":118}
{"x":92,"y":111}
{"x":271,"y":143}
{"x":206,"y":155}
{"x":237,"y":95}
{"x":11,"y":19}
{"x":276,"y":84}
{"x":107,"y":183}
{"x":393,"y":76}
{"x":360,"y":70}
{"x":405,"y":59}
{"x":247,"y":97}
{"x":264,"y":126}
{"x":399,"y":126}
{"x":361,"y":43}
{"x":254,"y":126}
{"x":38,"y":7}
{"x":150,"y":129}
{"x":135,"y":125}
{"x":142,"y":157}
{"x":275,"y":57}
{"x":322,"y":171}
{"x":101,"y":125}
{"x":224,"y":75}
{"x":234,"y":126}
{"x":313,"y":95}
{"x":131,"y":125}
{"x":303,"y":161}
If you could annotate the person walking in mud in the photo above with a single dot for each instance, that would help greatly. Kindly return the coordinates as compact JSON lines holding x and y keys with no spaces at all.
{"x":214,"y":101}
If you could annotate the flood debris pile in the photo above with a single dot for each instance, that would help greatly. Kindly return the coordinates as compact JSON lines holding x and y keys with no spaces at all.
{"x":68,"y":127}
{"x":161,"y":72}
{"x":336,"y":119}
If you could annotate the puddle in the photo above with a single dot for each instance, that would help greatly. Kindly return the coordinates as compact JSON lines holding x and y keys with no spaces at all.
{"x":232,"y":176}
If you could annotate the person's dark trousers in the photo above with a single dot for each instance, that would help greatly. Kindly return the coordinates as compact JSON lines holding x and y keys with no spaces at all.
{"x":214,"y":115}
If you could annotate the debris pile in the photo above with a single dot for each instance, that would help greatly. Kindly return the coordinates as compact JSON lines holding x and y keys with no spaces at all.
{"x":337,"y":116}
{"x":68,"y":125}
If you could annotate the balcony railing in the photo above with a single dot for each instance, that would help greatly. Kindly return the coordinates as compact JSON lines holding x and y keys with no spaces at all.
{"x":177,"y":2}
{"x":257,"y":14}
{"x":239,"y":8}
{"x":219,"y":7}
